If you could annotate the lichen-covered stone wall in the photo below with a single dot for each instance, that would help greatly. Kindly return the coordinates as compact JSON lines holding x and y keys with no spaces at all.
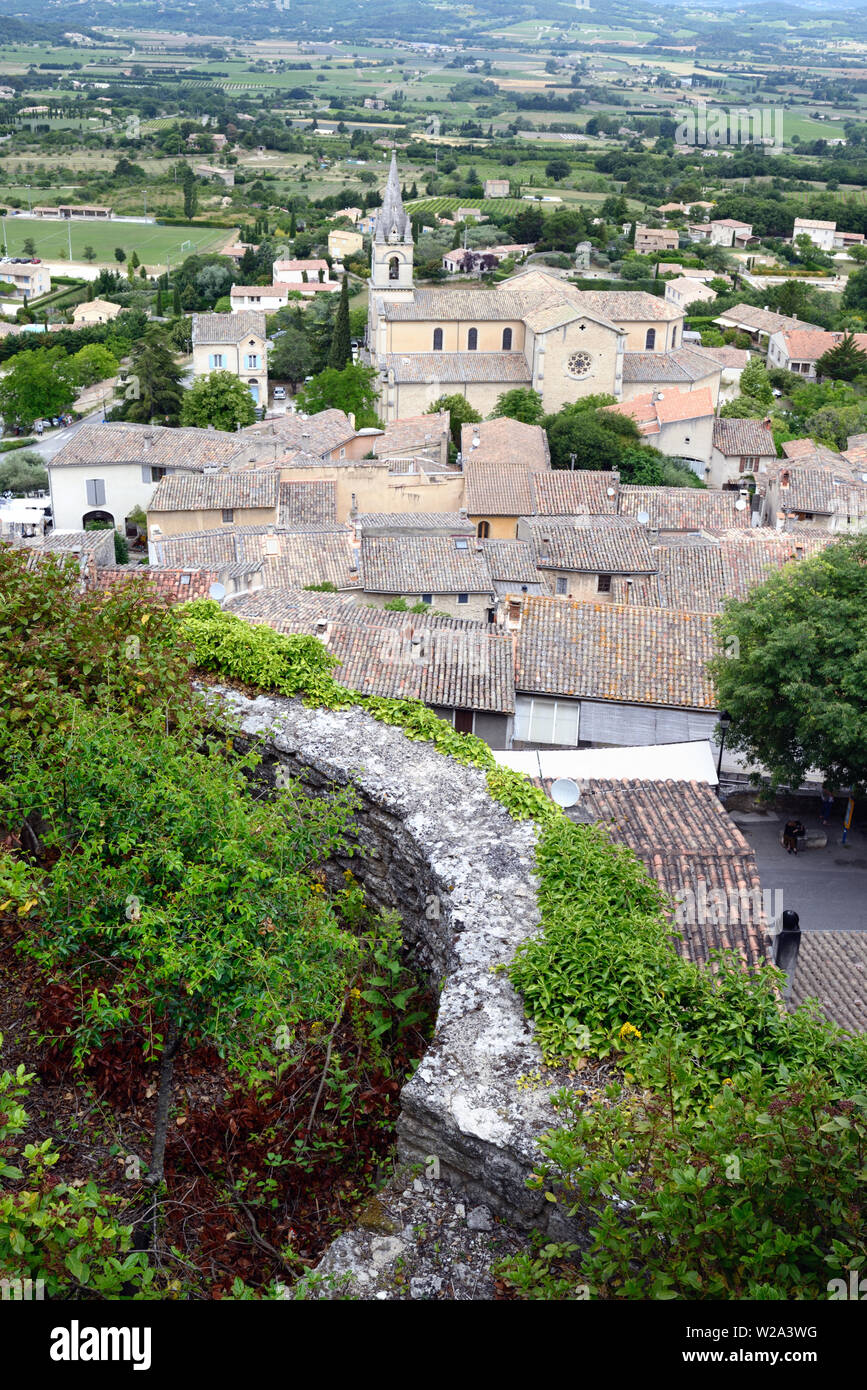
{"x":459,"y":870}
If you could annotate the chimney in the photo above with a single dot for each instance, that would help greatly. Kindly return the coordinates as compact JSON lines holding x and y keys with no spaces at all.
{"x":785,"y":478}
{"x":546,"y":548}
{"x":653,"y":535}
{"x":767,"y":422}
{"x":321,"y":627}
{"x":787,"y":944}
{"x":353,"y":507}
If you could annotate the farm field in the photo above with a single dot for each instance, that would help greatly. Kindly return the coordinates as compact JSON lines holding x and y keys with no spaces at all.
{"x":152,"y":243}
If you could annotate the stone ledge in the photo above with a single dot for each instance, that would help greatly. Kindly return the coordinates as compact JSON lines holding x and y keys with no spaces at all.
{"x":463,"y":882}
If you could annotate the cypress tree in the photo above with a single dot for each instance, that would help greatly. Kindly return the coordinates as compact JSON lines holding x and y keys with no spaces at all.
{"x":340,"y":354}
{"x":292,"y":227}
{"x":176,"y":302}
{"x":158,"y":309}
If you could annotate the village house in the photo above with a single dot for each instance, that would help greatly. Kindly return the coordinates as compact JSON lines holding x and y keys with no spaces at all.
{"x":233,"y":343}
{"x":685,"y":369}
{"x":651,"y":239}
{"x":685,"y":291}
{"x":670,"y":511}
{"x":307,"y":277}
{"x":821,"y":234}
{"x":798,"y":350}
{"x":608,"y":674}
{"x":496,"y":188}
{"x":727,"y":231}
{"x":758,"y":324}
{"x":678,"y":423}
{"x":23,"y":280}
{"x":266,"y":299}
{"x":107,"y":471}
{"x":826,"y":496}
{"x":94,"y":311}
{"x":448,"y":572}
{"x":580,"y":556}
{"x":342,"y":243}
{"x":739,"y":447}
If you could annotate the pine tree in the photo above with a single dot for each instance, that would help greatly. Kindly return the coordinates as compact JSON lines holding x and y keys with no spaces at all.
{"x":155,"y":381}
{"x":340,"y":354}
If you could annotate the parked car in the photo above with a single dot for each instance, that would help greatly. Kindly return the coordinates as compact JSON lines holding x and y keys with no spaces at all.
{"x":279,"y":393}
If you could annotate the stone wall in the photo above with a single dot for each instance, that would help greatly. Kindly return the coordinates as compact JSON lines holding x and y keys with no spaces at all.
{"x":459,"y":870}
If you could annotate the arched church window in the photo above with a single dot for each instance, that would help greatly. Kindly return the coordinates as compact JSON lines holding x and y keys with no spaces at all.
{"x":472,"y":340}
{"x":438,"y":340}
{"x":394,"y":268}
{"x":507,"y":340}
{"x":650,"y":340}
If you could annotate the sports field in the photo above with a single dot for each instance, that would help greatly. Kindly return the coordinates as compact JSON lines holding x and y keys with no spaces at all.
{"x":152,"y":243}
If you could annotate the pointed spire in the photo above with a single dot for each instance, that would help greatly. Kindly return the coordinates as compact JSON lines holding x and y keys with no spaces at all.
{"x":392,"y":222}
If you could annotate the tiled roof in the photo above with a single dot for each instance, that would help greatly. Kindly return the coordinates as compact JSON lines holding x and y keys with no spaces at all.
{"x":306,"y":504}
{"x":565,"y":492}
{"x":228,"y":328}
{"x":681,"y":365}
{"x":193,"y":492}
{"x":686,"y":839}
{"x":295,"y":433}
{"x":383,"y":522}
{"x":585,"y":544}
{"x":510,"y":368}
{"x":731,"y":222}
{"x":701,"y":577}
{"x":156,"y":445}
{"x":505,"y":441}
{"x":807,"y":489}
{"x":731,"y":358}
{"x":290,"y":559}
{"x":654,"y":409}
{"x":414,"y":433}
{"x":172,"y":585}
{"x":760,"y":320}
{"x":607,"y":651}
{"x":422,"y":564}
{"x":466,"y":305}
{"x":743,"y":437}
{"x":808,"y":345}
{"x":683,"y":508}
{"x":630,"y":306}
{"x":832,"y":968}
{"x":511,"y":562}
{"x":442,"y":661}
{"x":493,"y":489}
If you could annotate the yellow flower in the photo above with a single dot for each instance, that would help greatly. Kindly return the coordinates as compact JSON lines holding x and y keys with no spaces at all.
{"x":355,"y":994}
{"x":628,"y":1031}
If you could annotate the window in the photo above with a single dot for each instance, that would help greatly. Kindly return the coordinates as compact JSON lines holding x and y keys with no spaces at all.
{"x":463,"y":598}
{"x":95,"y":488}
{"x":603,"y":584}
{"x":650,"y":340}
{"x":394,"y":268}
{"x":561,"y":583}
{"x":507,"y":340}
{"x":427,"y":598}
{"x":483,"y":530}
{"x":228,"y":514}
{"x":251,"y":362}
{"x":461,"y":543}
{"x":472,"y":340}
{"x":546,"y":721}
{"x":438,"y":340}
{"x":674,"y":336}
{"x":216,"y":361}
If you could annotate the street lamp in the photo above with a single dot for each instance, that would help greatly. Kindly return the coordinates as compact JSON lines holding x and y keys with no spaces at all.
{"x":725,"y":720}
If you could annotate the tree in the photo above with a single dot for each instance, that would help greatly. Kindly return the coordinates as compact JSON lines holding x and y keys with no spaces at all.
{"x":28,"y":246}
{"x":89,"y":253}
{"x":340,"y":354}
{"x":119,"y":254}
{"x":191,"y":193}
{"x":218,"y":399}
{"x":158,"y":307}
{"x":521,"y":403}
{"x":558,"y":169}
{"x":153,"y":389}
{"x":844,"y":362}
{"x":855,"y":293}
{"x":755,"y":383}
{"x":792,"y":669}
{"x":290,"y":358}
{"x":460,"y":413}
{"x":176,"y":302}
{"x":93,"y":363}
{"x":353,"y":391}
{"x":134,"y":260}
{"x":579,"y":440}
{"x":22,"y":472}
{"x":36,"y":384}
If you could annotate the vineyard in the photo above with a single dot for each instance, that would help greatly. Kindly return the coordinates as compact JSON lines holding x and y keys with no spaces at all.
{"x":439,"y":206}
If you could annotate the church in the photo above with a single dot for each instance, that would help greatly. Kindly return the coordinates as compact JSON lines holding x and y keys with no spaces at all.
{"x":533,"y":330}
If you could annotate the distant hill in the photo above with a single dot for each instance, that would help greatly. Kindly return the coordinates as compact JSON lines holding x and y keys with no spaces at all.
{"x":14,"y":31}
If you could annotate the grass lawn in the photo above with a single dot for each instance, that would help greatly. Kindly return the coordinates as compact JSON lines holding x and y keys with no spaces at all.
{"x":152,"y":243}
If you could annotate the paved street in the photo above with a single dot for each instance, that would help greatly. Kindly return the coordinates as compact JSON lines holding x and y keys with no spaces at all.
{"x":52,"y":442}
{"x":826,"y":887}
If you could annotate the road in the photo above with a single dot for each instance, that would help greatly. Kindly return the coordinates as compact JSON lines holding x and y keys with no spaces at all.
{"x":826,"y":887}
{"x":52,"y":442}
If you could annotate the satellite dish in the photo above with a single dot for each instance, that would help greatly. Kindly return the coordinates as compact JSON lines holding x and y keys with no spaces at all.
{"x":864,"y":477}
{"x":740,"y":505}
{"x":643,"y":518}
{"x":565,"y":792}
{"x":217,"y":591}
{"x":610,"y":492}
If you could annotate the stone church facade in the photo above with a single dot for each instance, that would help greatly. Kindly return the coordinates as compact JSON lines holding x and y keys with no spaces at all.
{"x":533,"y":330}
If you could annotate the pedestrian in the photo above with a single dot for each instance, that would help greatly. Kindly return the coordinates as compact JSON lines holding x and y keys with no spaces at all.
{"x":827,"y":807}
{"x":791,"y":830}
